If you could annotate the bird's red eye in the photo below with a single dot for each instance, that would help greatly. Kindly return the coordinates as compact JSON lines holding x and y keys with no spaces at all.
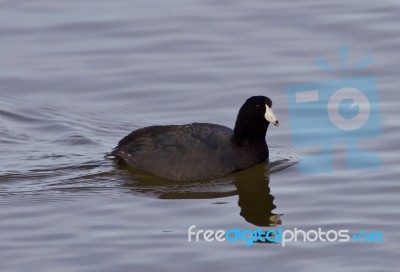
{"x":257,"y":107}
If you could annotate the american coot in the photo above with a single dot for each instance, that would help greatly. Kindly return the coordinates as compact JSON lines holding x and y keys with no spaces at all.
{"x":200,"y":151}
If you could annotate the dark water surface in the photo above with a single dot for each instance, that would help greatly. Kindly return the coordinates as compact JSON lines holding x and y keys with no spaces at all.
{"x":78,"y":76}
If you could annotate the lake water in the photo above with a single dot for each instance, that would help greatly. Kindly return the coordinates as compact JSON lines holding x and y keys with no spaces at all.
{"x":78,"y":76}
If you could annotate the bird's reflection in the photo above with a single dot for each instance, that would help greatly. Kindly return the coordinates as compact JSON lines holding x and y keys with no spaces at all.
{"x":255,"y":199}
{"x":251,"y":185}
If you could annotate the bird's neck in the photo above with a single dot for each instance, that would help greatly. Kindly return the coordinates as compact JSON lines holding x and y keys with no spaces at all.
{"x":248,"y":133}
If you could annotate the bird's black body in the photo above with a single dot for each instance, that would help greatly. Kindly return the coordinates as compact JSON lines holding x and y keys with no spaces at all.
{"x":199,"y":151}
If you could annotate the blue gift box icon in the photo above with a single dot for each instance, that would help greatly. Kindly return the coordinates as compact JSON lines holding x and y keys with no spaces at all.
{"x":323,"y":113}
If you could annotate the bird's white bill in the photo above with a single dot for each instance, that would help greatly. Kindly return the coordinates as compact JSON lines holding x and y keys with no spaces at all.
{"x":270,"y":116}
